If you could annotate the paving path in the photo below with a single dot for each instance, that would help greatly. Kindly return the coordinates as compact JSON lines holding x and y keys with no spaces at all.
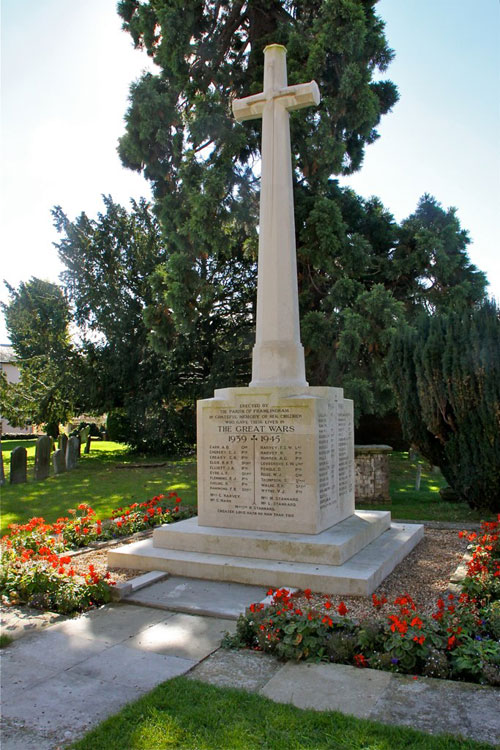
{"x":63,"y":677}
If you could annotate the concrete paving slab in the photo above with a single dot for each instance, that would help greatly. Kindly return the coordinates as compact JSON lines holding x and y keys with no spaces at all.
{"x":17,"y":673}
{"x":196,"y":596}
{"x":249,"y":670}
{"x":441,"y":706}
{"x":328,"y":687}
{"x":66,"y":701}
{"x":111,"y":624}
{"x":16,"y":736}
{"x":120,"y":665}
{"x":19,"y":621}
{"x":186,"y":636}
{"x":52,"y":649}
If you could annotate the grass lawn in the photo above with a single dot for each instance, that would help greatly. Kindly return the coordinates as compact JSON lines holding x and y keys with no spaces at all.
{"x":98,"y":482}
{"x":95,"y":481}
{"x":424,"y":504}
{"x":188,"y":715}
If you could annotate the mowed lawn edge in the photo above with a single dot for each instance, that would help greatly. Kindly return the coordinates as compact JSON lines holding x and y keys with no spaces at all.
{"x":184,"y":714}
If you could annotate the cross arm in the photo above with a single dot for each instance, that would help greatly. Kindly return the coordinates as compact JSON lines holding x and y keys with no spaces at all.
{"x":249,"y":108}
{"x":300,"y":96}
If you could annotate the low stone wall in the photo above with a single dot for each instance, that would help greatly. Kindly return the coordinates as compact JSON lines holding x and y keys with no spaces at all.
{"x":372,"y":473}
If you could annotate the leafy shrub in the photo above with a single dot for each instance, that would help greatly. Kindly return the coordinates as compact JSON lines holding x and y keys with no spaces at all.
{"x":34,"y":572}
{"x":446,"y":374}
{"x":47,"y":581}
{"x":118,"y":426}
{"x":459,"y":640}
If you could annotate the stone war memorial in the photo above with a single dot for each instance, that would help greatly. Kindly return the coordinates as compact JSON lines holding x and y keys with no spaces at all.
{"x":276,"y":458}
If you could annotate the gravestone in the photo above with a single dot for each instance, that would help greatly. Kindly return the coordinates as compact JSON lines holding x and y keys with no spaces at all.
{"x":72,"y":453}
{"x":18,"y":460}
{"x":63,"y":442}
{"x":88,"y":443}
{"x":2,"y":472}
{"x":42,"y":457}
{"x":276,"y":459}
{"x":59,"y":461}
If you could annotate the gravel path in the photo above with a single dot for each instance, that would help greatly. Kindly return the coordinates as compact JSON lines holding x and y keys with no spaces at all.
{"x":424,"y":574}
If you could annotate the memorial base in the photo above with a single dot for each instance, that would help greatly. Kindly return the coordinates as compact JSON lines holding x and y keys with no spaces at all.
{"x":275,"y":459}
{"x":352,"y":558}
{"x":276,"y":499}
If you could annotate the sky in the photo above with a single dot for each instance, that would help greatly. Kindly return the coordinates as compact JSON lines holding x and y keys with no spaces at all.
{"x":66,"y":71}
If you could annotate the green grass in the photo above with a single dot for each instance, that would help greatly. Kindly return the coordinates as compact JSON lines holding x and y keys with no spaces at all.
{"x":424,"y":504}
{"x":95,"y":481}
{"x":189,"y":715}
{"x":5,"y":640}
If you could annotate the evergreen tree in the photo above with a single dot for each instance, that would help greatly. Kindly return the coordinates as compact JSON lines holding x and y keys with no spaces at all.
{"x":360,"y":275}
{"x":37,"y":318}
{"x":446,"y":374}
{"x":181,"y":134}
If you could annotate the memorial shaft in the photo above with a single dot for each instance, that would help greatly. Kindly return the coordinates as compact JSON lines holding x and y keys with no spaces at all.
{"x":278,"y":355}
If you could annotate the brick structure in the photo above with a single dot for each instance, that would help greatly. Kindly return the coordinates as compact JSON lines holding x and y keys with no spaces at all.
{"x":372,"y":473}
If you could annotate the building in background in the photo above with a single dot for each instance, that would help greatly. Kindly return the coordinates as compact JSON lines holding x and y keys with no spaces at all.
{"x":9,"y":367}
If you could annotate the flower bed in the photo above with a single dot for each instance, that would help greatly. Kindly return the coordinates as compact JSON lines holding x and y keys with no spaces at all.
{"x":459,"y":640}
{"x":35,"y":571}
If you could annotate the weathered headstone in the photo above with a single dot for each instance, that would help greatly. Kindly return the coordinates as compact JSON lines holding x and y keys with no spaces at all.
{"x":42,"y":457}
{"x":88,"y":443}
{"x":18,"y":460}
{"x":276,"y":459}
{"x":63,"y":442}
{"x":72,"y":453}
{"x":2,"y":472}
{"x":59,"y":461}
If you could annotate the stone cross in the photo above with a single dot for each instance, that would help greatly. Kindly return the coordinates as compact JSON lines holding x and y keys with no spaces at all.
{"x":278,"y":355}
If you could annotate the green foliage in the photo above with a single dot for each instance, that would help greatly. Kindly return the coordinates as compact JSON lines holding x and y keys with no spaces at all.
{"x":118,"y":426}
{"x":446,"y":373}
{"x":181,"y":134}
{"x":454,"y":642}
{"x":37,"y":318}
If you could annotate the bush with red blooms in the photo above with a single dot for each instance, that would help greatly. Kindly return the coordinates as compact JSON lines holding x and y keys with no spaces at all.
{"x":460,"y":640}
{"x":46,"y":580}
{"x":159,"y":510}
{"x":35,"y":571}
{"x":483,"y":569}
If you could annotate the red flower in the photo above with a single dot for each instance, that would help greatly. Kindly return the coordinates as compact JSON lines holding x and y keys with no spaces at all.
{"x":327,"y":621}
{"x":360,"y":660}
{"x":307,"y":593}
{"x":378,"y":602}
{"x":419,"y":639}
{"x":328,"y":604}
{"x":342,"y":609}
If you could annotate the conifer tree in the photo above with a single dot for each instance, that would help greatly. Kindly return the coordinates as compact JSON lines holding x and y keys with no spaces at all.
{"x":446,"y":374}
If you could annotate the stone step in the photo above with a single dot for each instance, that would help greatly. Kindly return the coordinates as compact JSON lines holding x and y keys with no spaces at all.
{"x":334,"y":546}
{"x":359,"y":576}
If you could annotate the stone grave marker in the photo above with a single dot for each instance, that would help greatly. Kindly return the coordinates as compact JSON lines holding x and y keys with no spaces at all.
{"x":62,"y":442}
{"x":72,"y":453}
{"x":18,"y":460}
{"x":276,"y":459}
{"x":42,"y":457}
{"x":59,"y":461}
